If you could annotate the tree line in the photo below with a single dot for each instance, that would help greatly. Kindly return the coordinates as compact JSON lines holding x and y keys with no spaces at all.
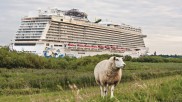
{"x":13,"y":59}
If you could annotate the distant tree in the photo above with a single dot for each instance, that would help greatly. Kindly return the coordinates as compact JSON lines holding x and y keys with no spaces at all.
{"x":155,"y":53}
{"x":175,"y":56}
{"x":127,"y":58}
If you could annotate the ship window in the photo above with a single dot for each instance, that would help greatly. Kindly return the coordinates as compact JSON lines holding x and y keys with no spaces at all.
{"x":25,"y":44}
{"x":58,"y":45}
{"x":47,"y":44}
{"x":61,"y":19}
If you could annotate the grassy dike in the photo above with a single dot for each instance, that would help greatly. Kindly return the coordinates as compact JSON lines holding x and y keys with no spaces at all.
{"x":25,"y":81}
{"x":165,"y":89}
{"x":28,"y":77}
{"x":50,"y":85}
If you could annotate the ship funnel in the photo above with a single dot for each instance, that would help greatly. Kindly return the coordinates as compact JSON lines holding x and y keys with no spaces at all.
{"x":97,"y":21}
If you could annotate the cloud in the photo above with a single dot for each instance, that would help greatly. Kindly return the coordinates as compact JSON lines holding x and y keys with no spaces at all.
{"x":165,"y":44}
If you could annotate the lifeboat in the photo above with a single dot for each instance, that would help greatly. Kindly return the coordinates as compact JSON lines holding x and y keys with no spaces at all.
{"x":107,"y":47}
{"x":81,"y":45}
{"x":120,"y":49}
{"x":71,"y":44}
{"x":113,"y":47}
{"x":101,"y":46}
{"x":94,"y":46}
{"x":88,"y":46}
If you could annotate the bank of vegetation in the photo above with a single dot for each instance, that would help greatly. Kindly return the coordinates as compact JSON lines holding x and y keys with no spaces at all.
{"x":12,"y":59}
{"x":165,"y":89}
{"x":23,"y":73}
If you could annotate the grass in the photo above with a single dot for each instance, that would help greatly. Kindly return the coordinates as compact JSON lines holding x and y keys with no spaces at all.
{"x":44,"y":85}
{"x":165,"y":89}
{"x":32,"y":81}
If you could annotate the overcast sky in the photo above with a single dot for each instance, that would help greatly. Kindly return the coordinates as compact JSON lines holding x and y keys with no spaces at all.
{"x":160,"y":20}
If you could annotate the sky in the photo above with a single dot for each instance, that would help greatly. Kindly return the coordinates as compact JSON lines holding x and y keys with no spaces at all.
{"x":160,"y":20}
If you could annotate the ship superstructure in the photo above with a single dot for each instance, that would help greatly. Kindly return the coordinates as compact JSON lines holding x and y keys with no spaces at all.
{"x":57,"y":33}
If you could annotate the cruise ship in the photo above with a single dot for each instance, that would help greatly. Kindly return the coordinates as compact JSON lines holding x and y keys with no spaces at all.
{"x":59,"y":33}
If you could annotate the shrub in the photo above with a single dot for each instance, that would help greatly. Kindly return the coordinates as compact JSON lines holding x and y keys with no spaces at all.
{"x":156,"y":59}
{"x":26,"y":60}
{"x":127,"y":58}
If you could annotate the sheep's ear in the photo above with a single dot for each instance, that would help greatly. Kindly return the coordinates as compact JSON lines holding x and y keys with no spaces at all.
{"x":114,"y":58}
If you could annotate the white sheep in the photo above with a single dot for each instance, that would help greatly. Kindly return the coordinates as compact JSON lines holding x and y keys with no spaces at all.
{"x":108,"y":73}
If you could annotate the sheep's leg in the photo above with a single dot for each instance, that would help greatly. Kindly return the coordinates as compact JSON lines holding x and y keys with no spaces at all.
{"x":105,"y":90}
{"x":112,"y":91}
{"x":101,"y":91}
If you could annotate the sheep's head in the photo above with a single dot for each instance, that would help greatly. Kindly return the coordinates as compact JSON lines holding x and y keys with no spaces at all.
{"x":119,"y":63}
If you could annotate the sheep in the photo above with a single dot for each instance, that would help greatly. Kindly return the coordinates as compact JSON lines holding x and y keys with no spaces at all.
{"x":108,"y":73}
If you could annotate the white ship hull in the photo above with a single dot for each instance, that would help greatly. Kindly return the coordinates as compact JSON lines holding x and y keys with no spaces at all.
{"x":60,"y":51}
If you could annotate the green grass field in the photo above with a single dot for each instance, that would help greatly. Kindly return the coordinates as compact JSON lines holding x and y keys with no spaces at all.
{"x":141,"y":82}
{"x":165,"y":89}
